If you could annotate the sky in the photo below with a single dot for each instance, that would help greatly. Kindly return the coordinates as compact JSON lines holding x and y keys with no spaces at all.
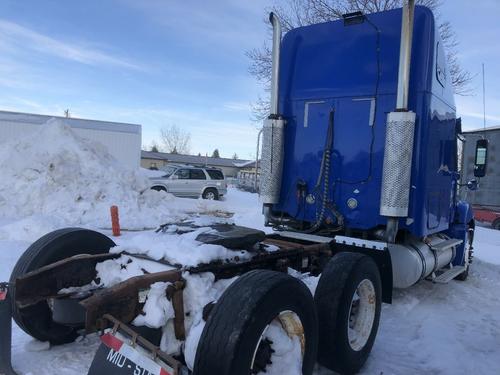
{"x":164,"y":62}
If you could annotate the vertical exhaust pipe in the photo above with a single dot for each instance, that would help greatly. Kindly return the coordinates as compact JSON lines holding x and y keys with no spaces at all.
{"x":275,"y":70}
{"x":400,"y":127}
{"x":273,"y":134}
{"x":405,"y":55}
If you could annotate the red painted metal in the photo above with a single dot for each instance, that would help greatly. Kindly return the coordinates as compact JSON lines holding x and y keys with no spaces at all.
{"x":115,"y":221}
{"x":486,"y":215}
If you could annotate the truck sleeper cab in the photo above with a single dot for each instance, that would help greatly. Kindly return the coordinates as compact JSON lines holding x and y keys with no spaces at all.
{"x":361,"y":142}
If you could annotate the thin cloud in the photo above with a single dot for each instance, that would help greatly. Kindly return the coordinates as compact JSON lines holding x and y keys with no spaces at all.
{"x":237,"y":106}
{"x":36,"y":41}
{"x":480,"y":116}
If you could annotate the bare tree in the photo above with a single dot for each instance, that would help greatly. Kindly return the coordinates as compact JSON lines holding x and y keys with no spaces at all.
{"x":296,"y":13}
{"x":175,"y":140}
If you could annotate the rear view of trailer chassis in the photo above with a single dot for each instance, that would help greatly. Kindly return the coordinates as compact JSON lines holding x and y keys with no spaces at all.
{"x":47,"y":314}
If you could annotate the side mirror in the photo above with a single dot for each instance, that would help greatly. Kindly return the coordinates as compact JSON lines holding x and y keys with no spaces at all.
{"x":481,"y":159}
{"x":174,"y":177}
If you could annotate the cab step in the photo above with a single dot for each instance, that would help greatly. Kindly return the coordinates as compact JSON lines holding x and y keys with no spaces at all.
{"x":445,"y":245}
{"x":449,"y":275}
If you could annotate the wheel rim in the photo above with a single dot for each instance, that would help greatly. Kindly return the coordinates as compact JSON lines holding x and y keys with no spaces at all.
{"x":291,"y":325}
{"x":361,"y":315}
{"x":210,"y":195}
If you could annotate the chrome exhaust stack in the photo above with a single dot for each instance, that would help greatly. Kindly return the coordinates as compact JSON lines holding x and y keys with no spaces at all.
{"x":400,"y":128}
{"x":273,"y":134}
{"x":275,"y":70}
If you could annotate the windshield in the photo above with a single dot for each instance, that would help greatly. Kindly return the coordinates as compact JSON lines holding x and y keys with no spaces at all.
{"x":168,"y":170}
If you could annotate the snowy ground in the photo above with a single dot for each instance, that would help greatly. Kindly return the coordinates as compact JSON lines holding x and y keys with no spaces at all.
{"x":436,"y":329}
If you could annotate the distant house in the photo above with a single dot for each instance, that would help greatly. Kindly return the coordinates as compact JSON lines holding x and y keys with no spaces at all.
{"x":156,"y":160}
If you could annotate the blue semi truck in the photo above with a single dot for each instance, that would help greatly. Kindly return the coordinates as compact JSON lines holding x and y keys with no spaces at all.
{"x":359,"y":180}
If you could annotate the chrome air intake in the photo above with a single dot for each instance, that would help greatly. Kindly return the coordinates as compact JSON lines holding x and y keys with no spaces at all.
{"x":396,"y":173}
{"x":272,"y":160}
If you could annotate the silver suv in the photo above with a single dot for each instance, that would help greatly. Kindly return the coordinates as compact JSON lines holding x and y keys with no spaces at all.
{"x":189,"y":181}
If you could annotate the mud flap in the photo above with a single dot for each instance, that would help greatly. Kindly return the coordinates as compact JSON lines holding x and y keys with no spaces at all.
{"x":124,"y":352}
{"x":5,"y":331}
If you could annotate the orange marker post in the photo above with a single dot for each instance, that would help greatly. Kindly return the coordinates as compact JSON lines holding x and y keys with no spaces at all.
{"x":115,"y":221}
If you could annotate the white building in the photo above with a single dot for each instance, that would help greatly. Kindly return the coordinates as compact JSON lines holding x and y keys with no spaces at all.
{"x":122,"y":140}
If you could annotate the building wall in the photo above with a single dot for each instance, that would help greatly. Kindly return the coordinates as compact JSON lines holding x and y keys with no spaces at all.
{"x":123,"y":141}
{"x":152,"y":163}
{"x":488,"y":193}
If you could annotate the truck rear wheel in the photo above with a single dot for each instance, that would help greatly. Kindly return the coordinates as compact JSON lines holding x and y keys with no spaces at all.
{"x":348,"y":301}
{"x":240,"y":336}
{"x":36,"y":320}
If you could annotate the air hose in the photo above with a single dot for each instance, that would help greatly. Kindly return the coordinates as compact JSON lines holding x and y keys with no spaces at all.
{"x":324,"y":174}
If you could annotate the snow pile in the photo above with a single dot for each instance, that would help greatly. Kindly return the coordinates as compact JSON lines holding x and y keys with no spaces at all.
{"x":53,"y":173}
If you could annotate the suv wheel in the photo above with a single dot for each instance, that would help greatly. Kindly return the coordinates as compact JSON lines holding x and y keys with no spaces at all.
{"x":210,"y":194}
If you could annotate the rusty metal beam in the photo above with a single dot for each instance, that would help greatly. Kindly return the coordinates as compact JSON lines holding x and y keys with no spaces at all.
{"x":122,"y":300}
{"x":274,"y":261}
{"x":47,"y":281}
{"x":175,"y":293}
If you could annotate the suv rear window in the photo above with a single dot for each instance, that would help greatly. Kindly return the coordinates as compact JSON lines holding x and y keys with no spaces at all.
{"x":197,"y":174}
{"x":215,"y":174}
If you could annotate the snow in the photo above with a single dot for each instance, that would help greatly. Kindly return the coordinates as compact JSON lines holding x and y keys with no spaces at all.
{"x":54,"y":179}
{"x":177,"y":249}
{"x":490,"y":245}
{"x":157,"y":310}
{"x":58,"y":175}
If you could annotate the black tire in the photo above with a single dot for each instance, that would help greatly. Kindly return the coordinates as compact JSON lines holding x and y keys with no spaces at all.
{"x":496,"y":224}
{"x":159,"y":188}
{"x":334,"y":293}
{"x":470,"y":239}
{"x":63,"y":243}
{"x":208,"y":193}
{"x":236,"y":323}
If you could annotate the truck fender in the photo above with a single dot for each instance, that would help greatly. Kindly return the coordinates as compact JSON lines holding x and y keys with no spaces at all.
{"x":463,"y":213}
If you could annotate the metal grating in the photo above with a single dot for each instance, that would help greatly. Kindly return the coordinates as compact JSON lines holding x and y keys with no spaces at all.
{"x":272,"y":160}
{"x":397,"y":164}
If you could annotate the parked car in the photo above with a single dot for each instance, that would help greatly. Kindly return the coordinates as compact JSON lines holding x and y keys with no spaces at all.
{"x":191,"y":181}
{"x":488,"y":215}
{"x":247,"y":181}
